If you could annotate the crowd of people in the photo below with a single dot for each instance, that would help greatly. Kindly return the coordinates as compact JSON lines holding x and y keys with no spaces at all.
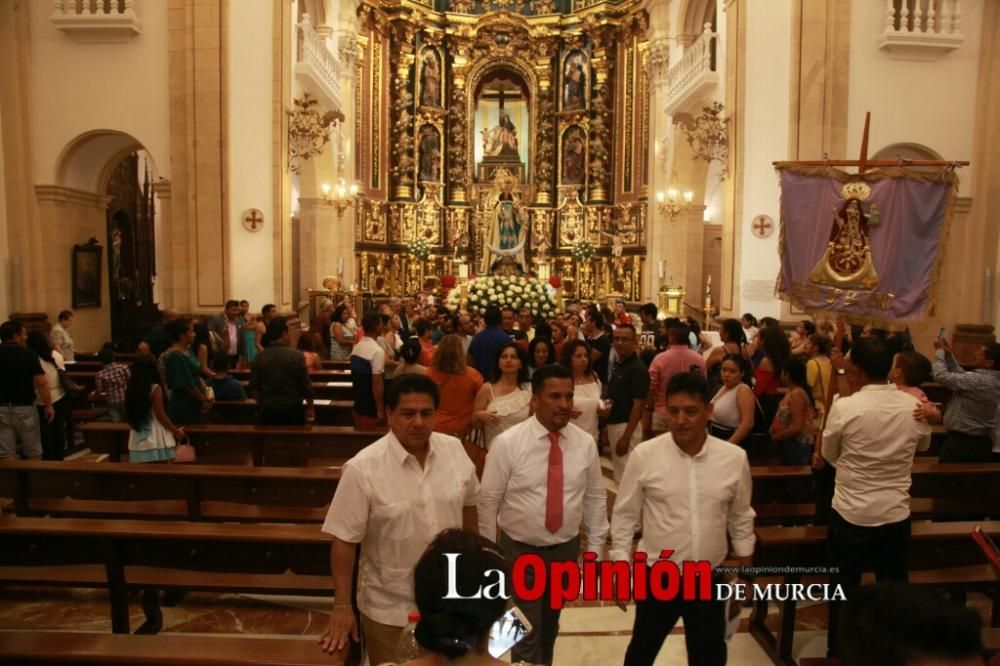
{"x":675,"y":408}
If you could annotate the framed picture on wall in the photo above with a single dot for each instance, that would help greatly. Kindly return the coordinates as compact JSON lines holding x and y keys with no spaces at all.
{"x":87,"y":275}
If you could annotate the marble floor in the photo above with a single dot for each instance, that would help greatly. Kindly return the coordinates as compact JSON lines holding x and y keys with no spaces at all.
{"x":591,"y":632}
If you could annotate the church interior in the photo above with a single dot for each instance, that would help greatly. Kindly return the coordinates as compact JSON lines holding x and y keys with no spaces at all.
{"x":165,"y":156}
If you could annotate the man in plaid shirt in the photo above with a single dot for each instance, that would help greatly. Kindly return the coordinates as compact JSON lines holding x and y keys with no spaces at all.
{"x":110,"y":383}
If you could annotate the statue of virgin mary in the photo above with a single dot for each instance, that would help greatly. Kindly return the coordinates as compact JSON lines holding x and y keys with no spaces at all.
{"x":505,"y":237}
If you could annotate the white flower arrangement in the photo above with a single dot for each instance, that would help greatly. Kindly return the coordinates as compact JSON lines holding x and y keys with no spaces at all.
{"x":420,"y":248}
{"x":515,"y":292}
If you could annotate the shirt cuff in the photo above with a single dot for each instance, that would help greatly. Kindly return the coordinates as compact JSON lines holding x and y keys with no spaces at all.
{"x":743,"y":547}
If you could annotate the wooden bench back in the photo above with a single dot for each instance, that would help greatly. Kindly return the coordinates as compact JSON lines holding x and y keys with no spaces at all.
{"x":169,"y":492}
{"x":302,"y":446}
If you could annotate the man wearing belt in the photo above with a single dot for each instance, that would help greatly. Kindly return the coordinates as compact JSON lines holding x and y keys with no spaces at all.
{"x":23,"y":376}
{"x":543,"y":477}
{"x":970,"y":417}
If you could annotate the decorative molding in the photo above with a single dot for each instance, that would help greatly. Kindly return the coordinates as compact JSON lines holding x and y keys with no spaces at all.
{"x":659,"y":61}
{"x":308,"y":130}
{"x":96,"y":22}
{"x":59,"y":195}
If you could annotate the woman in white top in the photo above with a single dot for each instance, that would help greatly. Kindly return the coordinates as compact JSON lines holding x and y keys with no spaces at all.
{"x":53,"y":434}
{"x":575,"y":355}
{"x":733,"y":406}
{"x":391,"y":343}
{"x":506,"y":401}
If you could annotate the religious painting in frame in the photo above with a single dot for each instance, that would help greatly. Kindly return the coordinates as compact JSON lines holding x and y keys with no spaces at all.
{"x":575,"y":81}
{"x":430,"y":78}
{"x":573,"y":156}
{"x":87,"y":275}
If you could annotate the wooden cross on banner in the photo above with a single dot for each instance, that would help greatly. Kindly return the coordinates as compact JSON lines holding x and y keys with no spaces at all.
{"x":863,"y":163}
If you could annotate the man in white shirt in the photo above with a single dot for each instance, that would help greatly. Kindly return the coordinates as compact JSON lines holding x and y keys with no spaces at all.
{"x":870,"y":437}
{"x":393,"y":498}
{"x":542,"y":478}
{"x":690,"y":491}
{"x":59,"y":336}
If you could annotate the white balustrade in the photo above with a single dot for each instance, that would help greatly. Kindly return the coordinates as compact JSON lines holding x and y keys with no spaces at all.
{"x":922,"y":29}
{"x":694,"y":74}
{"x":95,"y":21}
{"x":317,"y":68}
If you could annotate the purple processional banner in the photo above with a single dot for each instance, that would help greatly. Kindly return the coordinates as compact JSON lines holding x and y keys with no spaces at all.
{"x":866,"y":248}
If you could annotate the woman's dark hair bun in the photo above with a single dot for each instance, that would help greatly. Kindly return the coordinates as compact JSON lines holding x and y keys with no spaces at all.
{"x":441,"y":633}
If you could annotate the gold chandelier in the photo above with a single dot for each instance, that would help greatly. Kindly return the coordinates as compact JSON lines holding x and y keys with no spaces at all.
{"x":707,"y":134}
{"x":308,"y":130}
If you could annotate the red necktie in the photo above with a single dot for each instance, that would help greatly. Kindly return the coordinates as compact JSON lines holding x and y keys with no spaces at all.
{"x":554,"y":496}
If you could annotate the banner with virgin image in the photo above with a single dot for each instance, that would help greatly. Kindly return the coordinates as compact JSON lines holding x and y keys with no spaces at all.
{"x":864,"y":247}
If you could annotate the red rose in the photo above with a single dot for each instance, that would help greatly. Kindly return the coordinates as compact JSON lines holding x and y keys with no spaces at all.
{"x":448,"y":281}
{"x":555,"y":281}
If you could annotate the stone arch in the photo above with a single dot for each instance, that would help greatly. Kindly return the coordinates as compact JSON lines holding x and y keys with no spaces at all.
{"x":692,"y":17}
{"x":85,"y":163}
{"x":907,"y":150}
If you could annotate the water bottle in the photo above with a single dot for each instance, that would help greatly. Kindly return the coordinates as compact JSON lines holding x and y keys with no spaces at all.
{"x":408,"y":649}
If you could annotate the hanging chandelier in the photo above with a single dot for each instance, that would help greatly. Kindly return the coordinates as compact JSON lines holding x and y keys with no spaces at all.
{"x":707,"y":134}
{"x":308,"y":130}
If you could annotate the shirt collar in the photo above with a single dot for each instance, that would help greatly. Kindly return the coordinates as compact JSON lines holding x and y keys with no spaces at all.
{"x":399,"y":454}
{"x":879,"y":387}
{"x":702,"y":453}
{"x":539,"y":431}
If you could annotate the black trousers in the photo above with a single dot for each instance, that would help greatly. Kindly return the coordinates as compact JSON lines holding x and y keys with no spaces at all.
{"x":539,"y":645}
{"x":54,"y":434}
{"x":282,"y":416}
{"x":959,"y":447}
{"x":704,"y":629}
{"x":851,"y":547}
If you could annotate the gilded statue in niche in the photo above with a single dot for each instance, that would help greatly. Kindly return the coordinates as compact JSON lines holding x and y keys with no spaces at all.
{"x":847,"y":261}
{"x":430,"y":154}
{"x":573,"y":156}
{"x":504,"y":222}
{"x":575,"y":76}
{"x":430,"y":80}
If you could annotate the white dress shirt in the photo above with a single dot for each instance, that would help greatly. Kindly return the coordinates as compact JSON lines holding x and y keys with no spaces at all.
{"x":687,"y":504}
{"x":871,"y":437}
{"x":515,"y":487}
{"x":394,"y":507}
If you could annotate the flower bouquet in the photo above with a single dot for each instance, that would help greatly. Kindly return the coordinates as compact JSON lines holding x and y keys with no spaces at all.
{"x":513,"y":292}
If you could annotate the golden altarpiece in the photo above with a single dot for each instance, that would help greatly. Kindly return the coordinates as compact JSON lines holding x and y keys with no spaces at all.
{"x":505,"y":133}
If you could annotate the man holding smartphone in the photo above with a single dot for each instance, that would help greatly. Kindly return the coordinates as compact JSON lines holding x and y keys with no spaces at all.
{"x":970,"y":417}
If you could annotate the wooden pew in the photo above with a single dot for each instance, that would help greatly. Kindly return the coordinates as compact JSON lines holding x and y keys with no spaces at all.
{"x":124,"y":555}
{"x":784,"y":495}
{"x":169,"y":492}
{"x":292,"y":446}
{"x":331,"y":390}
{"x":931,"y":545}
{"x":328,"y":412}
{"x":27,"y":648}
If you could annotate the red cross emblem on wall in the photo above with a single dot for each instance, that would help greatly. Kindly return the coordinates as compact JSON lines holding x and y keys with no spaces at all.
{"x":762,"y":226}
{"x":253,"y":220}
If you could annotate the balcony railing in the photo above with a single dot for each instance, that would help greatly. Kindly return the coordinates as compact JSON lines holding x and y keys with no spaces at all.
{"x":316,"y":68}
{"x":95,"y":21}
{"x":922,"y":29}
{"x":694,"y":75}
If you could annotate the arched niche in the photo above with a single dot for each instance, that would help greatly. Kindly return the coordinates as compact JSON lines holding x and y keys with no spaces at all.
{"x":908,"y":151}
{"x":85,"y":163}
{"x":517,"y":76}
{"x":692,"y":17}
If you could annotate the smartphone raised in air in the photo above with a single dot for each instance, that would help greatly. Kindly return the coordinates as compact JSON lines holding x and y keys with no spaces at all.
{"x":508,"y":631}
